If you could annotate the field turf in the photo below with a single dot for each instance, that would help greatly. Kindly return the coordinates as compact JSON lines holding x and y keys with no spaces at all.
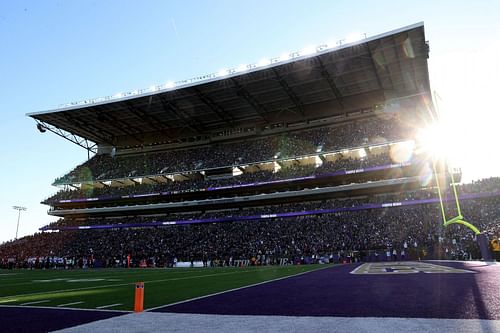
{"x":113,"y":289}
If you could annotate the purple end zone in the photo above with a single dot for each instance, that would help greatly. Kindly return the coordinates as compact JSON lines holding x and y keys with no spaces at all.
{"x":24,"y":319}
{"x":336,"y":292}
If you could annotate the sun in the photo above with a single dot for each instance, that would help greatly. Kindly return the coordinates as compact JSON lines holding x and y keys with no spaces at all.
{"x":435,"y":141}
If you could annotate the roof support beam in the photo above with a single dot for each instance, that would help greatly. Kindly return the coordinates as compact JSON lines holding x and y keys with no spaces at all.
{"x":104,"y":136}
{"x":172,"y":107}
{"x":330,"y":80}
{"x":258,"y":107}
{"x":396,"y":52}
{"x":374,"y":66}
{"x":295,"y":99}
{"x":216,"y":108}
{"x":120,"y":125}
{"x":150,"y":119}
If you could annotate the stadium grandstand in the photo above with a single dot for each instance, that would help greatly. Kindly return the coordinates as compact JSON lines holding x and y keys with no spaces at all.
{"x":316,"y":134}
{"x":312,"y":157}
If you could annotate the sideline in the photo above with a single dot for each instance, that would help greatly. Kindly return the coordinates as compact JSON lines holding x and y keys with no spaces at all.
{"x":184,"y":322}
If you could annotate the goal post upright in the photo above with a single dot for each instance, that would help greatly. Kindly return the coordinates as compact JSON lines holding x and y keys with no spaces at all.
{"x":459,"y":219}
{"x":481,"y":238}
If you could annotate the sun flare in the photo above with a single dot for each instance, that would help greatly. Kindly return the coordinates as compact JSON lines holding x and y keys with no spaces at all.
{"x":434,"y":140}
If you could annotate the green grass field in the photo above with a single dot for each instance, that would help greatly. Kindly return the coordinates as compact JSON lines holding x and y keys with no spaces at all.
{"x":113,"y":289}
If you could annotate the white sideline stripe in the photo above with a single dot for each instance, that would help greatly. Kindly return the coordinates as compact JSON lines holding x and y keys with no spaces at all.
{"x":63,"y":308}
{"x":239,"y":288}
{"x":36,"y":302}
{"x":356,"y":269}
{"x":73,"y":303}
{"x":108,"y":306}
{"x":236,"y":271}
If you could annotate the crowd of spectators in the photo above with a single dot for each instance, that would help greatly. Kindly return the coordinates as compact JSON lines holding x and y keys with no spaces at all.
{"x":415,"y":230}
{"x":197,"y":183}
{"x":491,"y":184}
{"x":305,"y":206}
{"x":218,"y":155}
{"x":412,"y":232}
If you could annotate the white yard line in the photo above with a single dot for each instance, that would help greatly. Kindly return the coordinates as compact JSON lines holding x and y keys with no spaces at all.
{"x":8,"y":300}
{"x":36,"y":302}
{"x":130,"y":283}
{"x":170,"y":271}
{"x":72,"y":303}
{"x":62,"y":308}
{"x":235,"y":289}
{"x":108,"y":306}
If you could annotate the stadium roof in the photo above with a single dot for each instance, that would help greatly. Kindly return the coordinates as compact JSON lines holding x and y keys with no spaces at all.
{"x":302,"y":86}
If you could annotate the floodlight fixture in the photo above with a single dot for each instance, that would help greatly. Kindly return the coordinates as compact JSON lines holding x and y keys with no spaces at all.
{"x":307,"y":51}
{"x":285,"y":56}
{"x":241,"y":68}
{"x":263,"y":62}
{"x":332,"y":44}
{"x":222,"y":72}
{"x":354,"y":37}
{"x":19,"y":209}
{"x":41,"y":128}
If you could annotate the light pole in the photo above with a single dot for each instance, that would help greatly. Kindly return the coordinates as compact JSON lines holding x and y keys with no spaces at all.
{"x":19,"y":209}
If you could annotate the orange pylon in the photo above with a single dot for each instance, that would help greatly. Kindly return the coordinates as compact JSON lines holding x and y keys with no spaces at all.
{"x":139,"y":297}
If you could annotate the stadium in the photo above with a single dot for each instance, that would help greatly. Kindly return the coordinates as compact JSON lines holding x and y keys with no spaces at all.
{"x":296,"y":193}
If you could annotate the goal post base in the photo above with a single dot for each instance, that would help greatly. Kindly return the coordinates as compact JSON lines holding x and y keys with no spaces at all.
{"x":482,"y":240}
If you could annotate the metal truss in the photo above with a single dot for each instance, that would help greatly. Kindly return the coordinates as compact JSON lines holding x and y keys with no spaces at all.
{"x":330,"y":80}
{"x":152,"y":121}
{"x":293,"y":97}
{"x":256,"y":105}
{"x":189,"y":122}
{"x":216,"y":108}
{"x":90,"y":146}
{"x":374,"y":66}
{"x":118,"y":124}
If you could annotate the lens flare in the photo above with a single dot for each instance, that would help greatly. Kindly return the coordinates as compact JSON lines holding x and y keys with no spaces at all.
{"x":402,"y":152}
{"x":435,"y":141}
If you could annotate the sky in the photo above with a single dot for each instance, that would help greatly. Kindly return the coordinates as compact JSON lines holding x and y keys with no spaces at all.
{"x":55,"y":52}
